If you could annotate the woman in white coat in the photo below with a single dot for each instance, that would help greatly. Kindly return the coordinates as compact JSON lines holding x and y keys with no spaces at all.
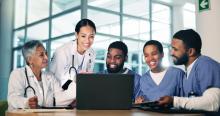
{"x":30,"y":87}
{"x":76,"y":56}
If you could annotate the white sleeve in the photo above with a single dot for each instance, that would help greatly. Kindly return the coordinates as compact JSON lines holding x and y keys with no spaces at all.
{"x":209,"y":101}
{"x":16,"y":88}
{"x":57,"y":66}
{"x":64,"y":97}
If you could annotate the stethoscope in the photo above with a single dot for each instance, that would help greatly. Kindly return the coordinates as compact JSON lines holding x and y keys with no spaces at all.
{"x":66,"y":84}
{"x":29,"y":86}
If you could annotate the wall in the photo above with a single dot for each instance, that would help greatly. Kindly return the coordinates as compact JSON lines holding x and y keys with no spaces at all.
{"x":208,"y":24}
{"x":6,"y":14}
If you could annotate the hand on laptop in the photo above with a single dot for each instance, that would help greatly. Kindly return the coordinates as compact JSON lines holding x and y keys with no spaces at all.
{"x":165,"y":101}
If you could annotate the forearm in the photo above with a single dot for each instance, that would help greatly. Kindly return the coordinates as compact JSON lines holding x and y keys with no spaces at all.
{"x":64,"y":98}
{"x":210,"y":101}
{"x":15,"y":102}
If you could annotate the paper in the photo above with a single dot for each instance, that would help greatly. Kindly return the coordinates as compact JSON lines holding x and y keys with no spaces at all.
{"x":44,"y":110}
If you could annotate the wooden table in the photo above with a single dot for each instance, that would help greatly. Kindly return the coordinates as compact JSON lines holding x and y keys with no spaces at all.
{"x":59,"y":112}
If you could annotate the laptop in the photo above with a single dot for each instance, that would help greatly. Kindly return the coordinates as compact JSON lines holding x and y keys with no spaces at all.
{"x":104,"y":91}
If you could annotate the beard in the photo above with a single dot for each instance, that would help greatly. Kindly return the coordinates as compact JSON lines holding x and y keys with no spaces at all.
{"x":181,"y":60}
{"x":117,"y":69}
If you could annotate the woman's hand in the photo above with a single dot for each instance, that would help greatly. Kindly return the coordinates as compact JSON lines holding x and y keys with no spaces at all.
{"x":33,"y":102}
{"x":139,"y":100}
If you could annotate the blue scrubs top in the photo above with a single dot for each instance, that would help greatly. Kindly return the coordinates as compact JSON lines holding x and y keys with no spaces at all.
{"x":169,"y":85}
{"x":205,"y":73}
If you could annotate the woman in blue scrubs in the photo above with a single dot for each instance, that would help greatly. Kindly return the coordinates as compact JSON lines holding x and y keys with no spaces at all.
{"x":159,"y":80}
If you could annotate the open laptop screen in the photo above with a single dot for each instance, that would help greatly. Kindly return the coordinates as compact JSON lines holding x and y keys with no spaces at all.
{"x":104,"y":91}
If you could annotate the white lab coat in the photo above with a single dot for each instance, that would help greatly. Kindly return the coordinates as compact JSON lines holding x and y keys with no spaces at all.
{"x":51,"y":89}
{"x":62,"y":61}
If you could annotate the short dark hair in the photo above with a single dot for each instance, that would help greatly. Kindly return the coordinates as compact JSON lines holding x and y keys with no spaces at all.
{"x":190,"y":38}
{"x":155,"y":43}
{"x":84,"y":22}
{"x":119,"y":45}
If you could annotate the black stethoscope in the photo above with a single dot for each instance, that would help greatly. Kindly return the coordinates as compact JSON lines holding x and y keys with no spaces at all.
{"x":29,"y":86}
{"x":65,"y":85}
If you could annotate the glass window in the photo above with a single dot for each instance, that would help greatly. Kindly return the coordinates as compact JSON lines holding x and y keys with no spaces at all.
{"x":18,"y":59}
{"x":38,"y":31}
{"x":20,"y":6}
{"x":136,"y":28}
{"x":134,"y":46}
{"x":37,"y":9}
{"x":138,"y":8}
{"x":161,"y":32}
{"x":106,"y":4}
{"x":100,"y":54}
{"x":102,"y":42}
{"x":65,"y":24}
{"x":62,"y":5}
{"x":105,"y":22}
{"x":59,"y":42}
{"x":166,"y":58}
{"x":161,"y":13}
{"x":189,"y":18}
{"x":19,"y":38}
{"x":135,"y":49}
{"x":161,"y":24}
{"x":99,"y":67}
{"x":134,"y":58}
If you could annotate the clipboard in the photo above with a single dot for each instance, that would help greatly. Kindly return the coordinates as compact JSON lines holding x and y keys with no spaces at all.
{"x":151,"y":104}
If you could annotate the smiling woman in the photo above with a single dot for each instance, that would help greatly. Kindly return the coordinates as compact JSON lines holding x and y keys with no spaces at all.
{"x":77,"y":54}
{"x":159,"y":80}
{"x":30,"y":87}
